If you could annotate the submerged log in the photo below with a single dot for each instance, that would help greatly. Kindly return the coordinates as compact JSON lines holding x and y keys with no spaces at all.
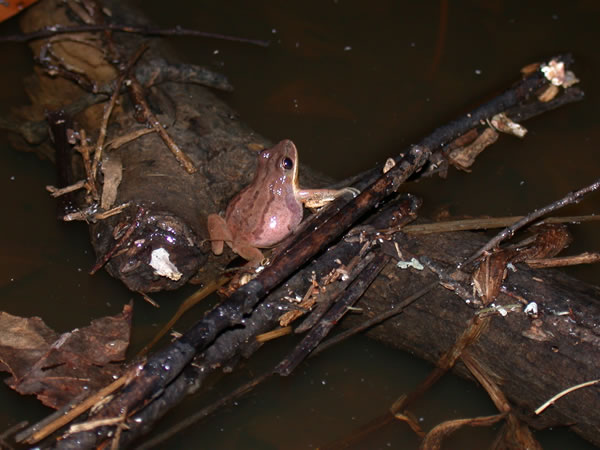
{"x":532,"y":357}
{"x":176,"y":202}
{"x":524,"y":352}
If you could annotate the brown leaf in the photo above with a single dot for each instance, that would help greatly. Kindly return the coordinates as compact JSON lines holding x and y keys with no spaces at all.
{"x":57,"y":368}
{"x":490,"y":274}
{"x":464,"y":157}
{"x":550,"y":240}
{"x":433,"y":439}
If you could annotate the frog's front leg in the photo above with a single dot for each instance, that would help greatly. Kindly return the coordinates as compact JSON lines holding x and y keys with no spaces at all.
{"x":316,"y":198}
{"x":218,"y":232}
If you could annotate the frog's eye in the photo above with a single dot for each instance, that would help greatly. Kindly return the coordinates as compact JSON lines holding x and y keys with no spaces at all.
{"x":287,"y":163}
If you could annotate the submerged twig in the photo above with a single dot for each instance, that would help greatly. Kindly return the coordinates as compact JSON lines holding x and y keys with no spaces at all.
{"x":137,"y":95}
{"x":486,"y":223}
{"x":563,"y":261}
{"x":204,"y":412}
{"x":397,"y":309}
{"x":333,"y":316}
{"x":570,"y":198}
{"x":58,"y":29}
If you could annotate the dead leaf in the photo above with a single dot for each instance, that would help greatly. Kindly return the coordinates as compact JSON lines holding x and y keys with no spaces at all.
{"x":488,"y":277}
{"x":9,"y":8}
{"x":112,"y":169}
{"x":57,"y":368}
{"x":462,"y":158}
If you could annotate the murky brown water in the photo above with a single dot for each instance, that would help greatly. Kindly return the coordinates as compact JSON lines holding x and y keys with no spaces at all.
{"x":350,"y":82}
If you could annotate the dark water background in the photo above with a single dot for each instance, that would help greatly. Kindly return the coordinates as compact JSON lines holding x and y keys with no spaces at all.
{"x":351,"y":83}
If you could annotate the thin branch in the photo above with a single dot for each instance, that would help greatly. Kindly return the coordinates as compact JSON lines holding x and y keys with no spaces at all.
{"x":137,"y":95}
{"x":57,"y":192}
{"x":563,"y":393}
{"x":204,"y":412}
{"x":37,"y":435}
{"x":486,"y":223}
{"x":563,"y":261}
{"x":333,"y":316}
{"x":178,"y":31}
{"x":397,"y":309}
{"x":109,"y":108}
{"x":570,"y":198}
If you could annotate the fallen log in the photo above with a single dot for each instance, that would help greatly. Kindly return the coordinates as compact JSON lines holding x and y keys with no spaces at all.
{"x":218,"y":140}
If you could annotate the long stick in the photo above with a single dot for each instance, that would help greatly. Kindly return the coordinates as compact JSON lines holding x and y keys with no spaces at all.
{"x":570,"y":198}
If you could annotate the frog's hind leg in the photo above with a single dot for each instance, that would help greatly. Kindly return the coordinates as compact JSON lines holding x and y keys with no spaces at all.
{"x":251,"y":254}
{"x":218,"y":233}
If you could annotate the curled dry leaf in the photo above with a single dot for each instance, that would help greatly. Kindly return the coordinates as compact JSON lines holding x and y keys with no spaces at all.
{"x":57,"y":368}
{"x":549,"y":240}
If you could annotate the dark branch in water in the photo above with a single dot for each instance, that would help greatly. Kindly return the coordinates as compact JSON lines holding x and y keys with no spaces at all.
{"x":148,"y":31}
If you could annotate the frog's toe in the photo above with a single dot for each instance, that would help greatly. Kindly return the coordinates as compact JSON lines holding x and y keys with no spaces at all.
{"x":249,"y":253}
{"x":217,"y":247}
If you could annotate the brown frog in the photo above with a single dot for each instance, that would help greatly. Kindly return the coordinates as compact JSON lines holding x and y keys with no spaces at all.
{"x":268,"y":209}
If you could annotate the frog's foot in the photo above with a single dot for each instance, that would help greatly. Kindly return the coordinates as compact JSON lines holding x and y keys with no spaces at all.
{"x":253,"y":255}
{"x":218,"y":232}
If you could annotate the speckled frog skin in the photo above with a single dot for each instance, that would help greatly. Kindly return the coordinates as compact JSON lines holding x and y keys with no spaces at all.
{"x":269,"y":208}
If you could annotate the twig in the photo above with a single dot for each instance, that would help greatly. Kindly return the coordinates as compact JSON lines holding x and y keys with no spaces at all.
{"x":82,"y":407}
{"x":190,"y":301}
{"x":326,"y":298}
{"x":563,"y":261}
{"x":10,"y":431}
{"x":132,"y":136}
{"x":57,"y":192}
{"x":183,"y":424}
{"x":397,"y":309}
{"x":472,"y":332}
{"x":274,"y":334}
{"x":89,"y":214}
{"x":517,"y":95}
{"x":138,"y":98}
{"x":333,"y":316}
{"x":563,"y":393}
{"x":58,"y":29}
{"x":244,"y":389}
{"x":84,"y":149}
{"x":570,"y":198}
{"x":124,"y":239}
{"x":486,"y":223}
{"x":110,"y":106}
